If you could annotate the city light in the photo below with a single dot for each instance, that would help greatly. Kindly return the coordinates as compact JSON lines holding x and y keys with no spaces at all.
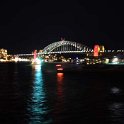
{"x":115,"y":60}
{"x":51,"y":53}
{"x":37,"y":61}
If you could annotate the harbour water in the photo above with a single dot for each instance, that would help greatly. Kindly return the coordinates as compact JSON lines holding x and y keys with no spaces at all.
{"x":34,"y":94}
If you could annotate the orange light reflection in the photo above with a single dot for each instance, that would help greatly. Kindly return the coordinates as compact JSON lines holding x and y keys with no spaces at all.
{"x":60,"y":96}
{"x":60,"y":69}
{"x":58,"y":65}
{"x":60,"y":77}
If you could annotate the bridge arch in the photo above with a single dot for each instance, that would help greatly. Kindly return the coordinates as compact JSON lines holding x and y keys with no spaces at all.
{"x":65,"y":47}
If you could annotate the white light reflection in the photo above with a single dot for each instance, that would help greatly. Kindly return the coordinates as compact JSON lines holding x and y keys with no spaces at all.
{"x":116,"y":111}
{"x":115,"y":90}
{"x":38,"y":109}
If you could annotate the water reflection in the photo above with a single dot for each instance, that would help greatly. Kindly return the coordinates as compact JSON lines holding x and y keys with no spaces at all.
{"x":37,"y":109}
{"x":59,"y":105}
{"x":117,"y":112}
{"x":115,"y":90}
{"x":60,"y":84}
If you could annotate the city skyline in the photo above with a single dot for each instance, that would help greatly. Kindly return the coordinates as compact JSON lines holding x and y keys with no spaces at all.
{"x":64,"y":46}
{"x":25,"y":26}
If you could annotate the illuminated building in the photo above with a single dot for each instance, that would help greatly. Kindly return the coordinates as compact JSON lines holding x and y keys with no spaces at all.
{"x":40,"y":51}
{"x":3,"y":54}
{"x":101,"y":49}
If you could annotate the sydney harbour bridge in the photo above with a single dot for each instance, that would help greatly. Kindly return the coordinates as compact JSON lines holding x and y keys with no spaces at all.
{"x":64,"y":46}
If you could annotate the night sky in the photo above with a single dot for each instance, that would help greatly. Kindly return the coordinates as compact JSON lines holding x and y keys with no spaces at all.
{"x":26,"y":25}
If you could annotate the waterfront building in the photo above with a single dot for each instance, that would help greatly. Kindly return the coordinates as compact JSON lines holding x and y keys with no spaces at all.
{"x":3,"y":54}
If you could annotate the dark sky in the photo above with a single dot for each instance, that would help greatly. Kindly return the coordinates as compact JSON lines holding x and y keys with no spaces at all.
{"x":26,"y":25}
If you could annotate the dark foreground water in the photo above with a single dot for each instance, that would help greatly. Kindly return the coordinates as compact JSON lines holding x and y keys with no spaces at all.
{"x":39,"y":95}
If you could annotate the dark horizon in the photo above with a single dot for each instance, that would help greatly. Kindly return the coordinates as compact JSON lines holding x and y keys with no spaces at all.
{"x":27,"y":24}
